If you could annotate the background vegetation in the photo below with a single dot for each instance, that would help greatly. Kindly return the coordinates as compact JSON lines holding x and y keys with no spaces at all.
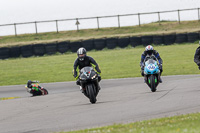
{"x":117,"y":63}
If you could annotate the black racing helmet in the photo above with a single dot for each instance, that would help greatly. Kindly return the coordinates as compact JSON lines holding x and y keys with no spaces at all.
{"x":81,"y":53}
{"x":29,"y":83}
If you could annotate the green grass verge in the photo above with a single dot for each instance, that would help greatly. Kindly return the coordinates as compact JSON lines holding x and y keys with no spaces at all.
{"x":178,"y":124}
{"x":145,"y":29}
{"x":117,"y":63}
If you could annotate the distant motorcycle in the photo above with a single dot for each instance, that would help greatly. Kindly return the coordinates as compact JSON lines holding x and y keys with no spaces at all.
{"x":37,"y":90}
{"x":151,"y":72}
{"x":89,"y":82}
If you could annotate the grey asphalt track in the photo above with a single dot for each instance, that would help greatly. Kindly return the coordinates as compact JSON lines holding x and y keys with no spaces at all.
{"x":119,"y":101}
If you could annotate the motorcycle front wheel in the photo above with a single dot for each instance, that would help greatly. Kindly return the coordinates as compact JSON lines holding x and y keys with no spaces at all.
{"x":91,"y":93}
{"x":152,"y":83}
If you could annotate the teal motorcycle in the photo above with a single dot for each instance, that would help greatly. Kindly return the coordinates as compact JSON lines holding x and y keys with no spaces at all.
{"x":151,"y":72}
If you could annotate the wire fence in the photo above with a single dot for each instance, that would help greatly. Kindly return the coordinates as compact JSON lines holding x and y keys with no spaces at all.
{"x":77,"y":21}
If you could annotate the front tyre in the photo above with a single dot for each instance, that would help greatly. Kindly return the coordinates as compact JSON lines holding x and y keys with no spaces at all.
{"x":152,"y":82}
{"x":91,"y":93}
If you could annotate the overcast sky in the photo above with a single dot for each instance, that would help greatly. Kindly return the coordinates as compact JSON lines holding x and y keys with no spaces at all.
{"x":12,"y":11}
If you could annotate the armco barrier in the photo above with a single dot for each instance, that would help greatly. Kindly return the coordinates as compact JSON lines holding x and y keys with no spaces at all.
{"x":39,"y":49}
{"x":15,"y":52}
{"x":63,"y":47}
{"x":146,"y":40}
{"x":123,"y":42}
{"x":51,"y":48}
{"x":88,"y":44}
{"x":169,"y":39}
{"x":111,"y":43}
{"x":192,"y":37}
{"x":74,"y":46}
{"x":181,"y":38}
{"x":26,"y":51}
{"x":99,"y":44}
{"x":4,"y":53}
{"x":158,"y":39}
{"x":135,"y":41}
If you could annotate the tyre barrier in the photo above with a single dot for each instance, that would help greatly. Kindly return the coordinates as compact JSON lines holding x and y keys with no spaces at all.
{"x":15,"y":52}
{"x":192,"y":37}
{"x":181,"y":38}
{"x":26,"y":51}
{"x":63,"y":47}
{"x":39,"y":49}
{"x":51,"y":48}
{"x":4,"y":53}
{"x":99,"y":44}
{"x":123,"y":42}
{"x":111,"y":43}
{"x":88,"y":44}
{"x":158,"y":39}
{"x":169,"y":39}
{"x":147,"y":40}
{"x":135,"y":41}
{"x":74,"y":46}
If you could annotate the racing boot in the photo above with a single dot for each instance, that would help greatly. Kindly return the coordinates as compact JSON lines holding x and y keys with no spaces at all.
{"x":145,"y":79}
{"x":81,"y":89}
{"x":160,"y":80}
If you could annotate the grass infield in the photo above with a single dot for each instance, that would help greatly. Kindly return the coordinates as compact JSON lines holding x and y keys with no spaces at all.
{"x":178,"y":124}
{"x":178,"y":59}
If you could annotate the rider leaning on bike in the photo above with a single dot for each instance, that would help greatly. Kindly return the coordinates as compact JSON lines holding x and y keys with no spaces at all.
{"x":31,"y":87}
{"x":150,"y":51}
{"x":82,"y":61}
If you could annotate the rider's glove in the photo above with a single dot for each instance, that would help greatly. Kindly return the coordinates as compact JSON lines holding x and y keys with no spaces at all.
{"x":142,"y":67}
{"x":78,"y":82}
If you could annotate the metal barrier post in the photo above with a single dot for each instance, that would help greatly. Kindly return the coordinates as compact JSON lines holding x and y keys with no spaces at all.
{"x":198,"y":14}
{"x":98,"y":22}
{"x":36,"y":28}
{"x":118,"y":21}
{"x":57,"y":25}
{"x":159,"y":17}
{"x":139,"y":18}
{"x":15,"y":29}
{"x":77,"y":23}
{"x":179,"y":17}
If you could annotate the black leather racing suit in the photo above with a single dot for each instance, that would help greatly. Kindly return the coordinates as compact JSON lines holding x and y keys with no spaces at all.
{"x":197,"y":57}
{"x":88,"y":61}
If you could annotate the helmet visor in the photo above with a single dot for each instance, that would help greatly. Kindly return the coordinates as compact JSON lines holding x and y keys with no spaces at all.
{"x":81,"y":57}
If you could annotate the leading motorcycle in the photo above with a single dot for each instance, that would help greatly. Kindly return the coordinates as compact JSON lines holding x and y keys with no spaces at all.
{"x":89,"y":83}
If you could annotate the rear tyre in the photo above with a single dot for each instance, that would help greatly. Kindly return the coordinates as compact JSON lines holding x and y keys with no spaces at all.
{"x":45,"y":92}
{"x":153,"y":83}
{"x":91,"y":93}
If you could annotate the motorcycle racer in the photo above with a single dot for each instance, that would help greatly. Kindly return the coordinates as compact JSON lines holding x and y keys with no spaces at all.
{"x":82,"y":61}
{"x":197,"y":56}
{"x":149,"y":50}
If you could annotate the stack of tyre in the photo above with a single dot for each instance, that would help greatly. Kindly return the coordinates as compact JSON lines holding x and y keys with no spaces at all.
{"x":96,"y":44}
